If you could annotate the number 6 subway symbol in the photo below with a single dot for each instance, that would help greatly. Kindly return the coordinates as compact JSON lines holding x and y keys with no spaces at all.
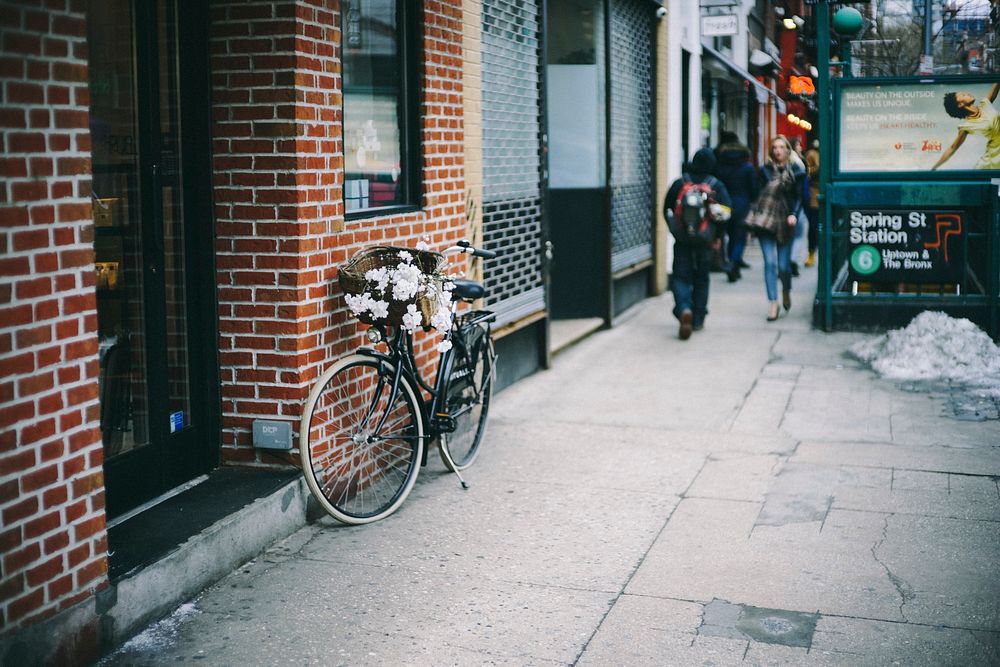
{"x":945,"y":225}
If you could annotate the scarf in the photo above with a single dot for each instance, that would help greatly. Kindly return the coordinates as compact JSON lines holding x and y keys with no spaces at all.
{"x":771,"y":209}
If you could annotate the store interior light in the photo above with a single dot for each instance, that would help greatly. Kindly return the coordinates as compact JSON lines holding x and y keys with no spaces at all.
{"x":788,"y":23}
{"x":792,"y":118}
{"x":798,"y":21}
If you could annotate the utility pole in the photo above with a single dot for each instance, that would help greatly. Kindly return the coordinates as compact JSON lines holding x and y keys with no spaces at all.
{"x":928,"y":27}
{"x":825,"y":154}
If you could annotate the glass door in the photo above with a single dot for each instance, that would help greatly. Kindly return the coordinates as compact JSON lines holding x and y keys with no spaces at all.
{"x":150,"y":251}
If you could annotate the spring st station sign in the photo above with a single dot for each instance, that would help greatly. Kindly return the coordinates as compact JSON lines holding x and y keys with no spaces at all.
{"x":906,"y":245}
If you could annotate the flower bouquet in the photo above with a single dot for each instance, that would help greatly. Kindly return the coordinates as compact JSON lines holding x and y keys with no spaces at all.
{"x":398,"y":287}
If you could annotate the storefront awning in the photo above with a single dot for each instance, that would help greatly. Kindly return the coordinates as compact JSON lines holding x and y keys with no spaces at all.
{"x":760,"y":90}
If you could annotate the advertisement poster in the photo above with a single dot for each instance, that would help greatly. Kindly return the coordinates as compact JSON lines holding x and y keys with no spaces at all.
{"x":908,"y":127}
{"x":917,"y":246}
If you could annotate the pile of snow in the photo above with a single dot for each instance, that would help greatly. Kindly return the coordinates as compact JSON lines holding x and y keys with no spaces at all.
{"x":935,"y":347}
{"x":161,"y":634}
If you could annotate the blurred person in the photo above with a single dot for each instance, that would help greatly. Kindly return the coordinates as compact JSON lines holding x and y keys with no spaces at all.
{"x":773,"y":218}
{"x":802,"y":223}
{"x":693,"y":257}
{"x":736,"y":171}
{"x":812,"y":206}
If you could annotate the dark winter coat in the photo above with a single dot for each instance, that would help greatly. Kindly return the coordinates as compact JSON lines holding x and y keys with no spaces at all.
{"x":735,"y":169}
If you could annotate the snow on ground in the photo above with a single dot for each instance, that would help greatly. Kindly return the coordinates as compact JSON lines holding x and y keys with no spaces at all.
{"x":157,"y":636}
{"x":936,"y":348}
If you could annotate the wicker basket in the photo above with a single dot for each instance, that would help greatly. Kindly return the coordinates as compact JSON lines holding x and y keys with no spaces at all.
{"x":352,"y":280}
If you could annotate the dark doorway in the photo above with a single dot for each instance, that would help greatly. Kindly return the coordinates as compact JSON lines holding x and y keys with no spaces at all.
{"x":153,"y":241}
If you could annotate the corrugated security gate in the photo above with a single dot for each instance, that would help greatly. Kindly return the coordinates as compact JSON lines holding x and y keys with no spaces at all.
{"x":512,"y":195}
{"x":632,"y":117}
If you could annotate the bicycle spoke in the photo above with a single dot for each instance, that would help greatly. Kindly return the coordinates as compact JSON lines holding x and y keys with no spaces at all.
{"x":363,"y":442}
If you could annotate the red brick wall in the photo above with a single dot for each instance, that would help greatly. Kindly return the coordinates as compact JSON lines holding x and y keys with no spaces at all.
{"x":52,"y":533}
{"x":279,"y":177}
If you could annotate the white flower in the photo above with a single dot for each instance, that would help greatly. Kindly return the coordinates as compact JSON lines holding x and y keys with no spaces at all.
{"x":444,"y":346}
{"x":407,"y":272}
{"x":404,"y":290}
{"x":422,"y":244}
{"x":358,"y":303}
{"x":380,"y":309}
{"x":441,"y":319}
{"x":380,"y":276}
{"x":405,"y":256}
{"x":412,"y":319}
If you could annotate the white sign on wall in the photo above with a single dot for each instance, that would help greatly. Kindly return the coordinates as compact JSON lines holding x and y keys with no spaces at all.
{"x":719,"y":25}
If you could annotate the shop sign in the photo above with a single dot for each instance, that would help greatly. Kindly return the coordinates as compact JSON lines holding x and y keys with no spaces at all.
{"x":719,"y":25}
{"x":906,"y":245}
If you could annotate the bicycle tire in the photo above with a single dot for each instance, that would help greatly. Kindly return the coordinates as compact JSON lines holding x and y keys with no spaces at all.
{"x":358,"y":476}
{"x":470,"y":390}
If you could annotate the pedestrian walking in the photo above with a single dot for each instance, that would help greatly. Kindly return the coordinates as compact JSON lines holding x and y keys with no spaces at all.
{"x":773,"y":218}
{"x":812,"y":206}
{"x":736,"y":171}
{"x":695,"y":204}
{"x":802,"y":221}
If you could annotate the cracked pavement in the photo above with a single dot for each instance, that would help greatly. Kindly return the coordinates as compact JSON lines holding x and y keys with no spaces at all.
{"x":748,"y":497}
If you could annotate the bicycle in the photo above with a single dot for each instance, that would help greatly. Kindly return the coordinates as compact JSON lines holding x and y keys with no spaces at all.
{"x":364,"y":427}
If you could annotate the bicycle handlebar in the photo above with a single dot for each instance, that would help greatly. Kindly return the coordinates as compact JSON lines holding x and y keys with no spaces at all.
{"x":465,"y":247}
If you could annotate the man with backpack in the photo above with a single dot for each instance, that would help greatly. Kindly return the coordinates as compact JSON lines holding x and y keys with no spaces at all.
{"x":694,"y":207}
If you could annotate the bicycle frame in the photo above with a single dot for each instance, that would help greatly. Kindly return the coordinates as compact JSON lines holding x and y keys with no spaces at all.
{"x":402,"y":358}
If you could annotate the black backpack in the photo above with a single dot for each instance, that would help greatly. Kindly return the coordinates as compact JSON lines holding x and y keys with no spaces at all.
{"x":690,"y":220}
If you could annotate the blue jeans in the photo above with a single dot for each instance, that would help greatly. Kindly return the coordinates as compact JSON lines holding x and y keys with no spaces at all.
{"x":737,"y":242}
{"x":690,"y":280}
{"x":738,"y":231}
{"x":777,"y":259}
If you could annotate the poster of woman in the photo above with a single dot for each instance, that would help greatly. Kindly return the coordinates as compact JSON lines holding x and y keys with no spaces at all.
{"x":951,"y":125}
{"x":977,"y":117}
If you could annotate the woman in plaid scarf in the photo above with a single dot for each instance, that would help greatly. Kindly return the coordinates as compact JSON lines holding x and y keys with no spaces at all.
{"x":775,"y":213}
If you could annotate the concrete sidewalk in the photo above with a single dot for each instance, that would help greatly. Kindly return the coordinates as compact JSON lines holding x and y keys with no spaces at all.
{"x":750,"y":496}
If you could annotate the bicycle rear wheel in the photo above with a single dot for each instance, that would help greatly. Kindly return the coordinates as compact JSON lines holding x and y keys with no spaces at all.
{"x":468,"y":399}
{"x":361,"y":447}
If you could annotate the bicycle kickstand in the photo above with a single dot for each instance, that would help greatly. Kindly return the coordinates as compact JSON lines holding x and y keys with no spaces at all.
{"x":465,"y":485}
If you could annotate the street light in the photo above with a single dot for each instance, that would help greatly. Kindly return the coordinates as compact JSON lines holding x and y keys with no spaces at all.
{"x":848,"y":22}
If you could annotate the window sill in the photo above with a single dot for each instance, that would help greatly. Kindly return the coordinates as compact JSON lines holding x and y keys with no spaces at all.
{"x":381,"y":212}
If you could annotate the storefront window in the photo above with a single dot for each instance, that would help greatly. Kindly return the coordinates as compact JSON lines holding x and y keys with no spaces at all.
{"x":379,"y":152}
{"x":576,"y":94}
{"x":118,"y":239}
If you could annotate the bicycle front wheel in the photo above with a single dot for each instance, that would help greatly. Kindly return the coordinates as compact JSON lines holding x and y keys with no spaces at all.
{"x":361,"y":446}
{"x":470,"y":389}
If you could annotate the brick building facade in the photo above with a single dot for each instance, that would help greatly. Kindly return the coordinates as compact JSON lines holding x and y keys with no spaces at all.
{"x":53,"y":542}
{"x":275,"y":192}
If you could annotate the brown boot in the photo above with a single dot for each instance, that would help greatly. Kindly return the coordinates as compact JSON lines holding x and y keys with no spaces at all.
{"x":687,"y":320}
{"x":811,"y":260}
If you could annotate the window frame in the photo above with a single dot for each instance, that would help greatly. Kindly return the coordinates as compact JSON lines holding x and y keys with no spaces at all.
{"x":410,"y":35}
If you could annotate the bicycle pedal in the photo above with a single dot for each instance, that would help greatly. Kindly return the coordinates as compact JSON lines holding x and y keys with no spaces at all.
{"x":443,"y":423}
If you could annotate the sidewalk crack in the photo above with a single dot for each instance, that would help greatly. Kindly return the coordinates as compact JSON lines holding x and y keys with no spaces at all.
{"x":904,"y":589}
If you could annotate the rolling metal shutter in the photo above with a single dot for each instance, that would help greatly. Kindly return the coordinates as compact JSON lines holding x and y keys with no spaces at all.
{"x":632,"y":117}
{"x":512,"y":196}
